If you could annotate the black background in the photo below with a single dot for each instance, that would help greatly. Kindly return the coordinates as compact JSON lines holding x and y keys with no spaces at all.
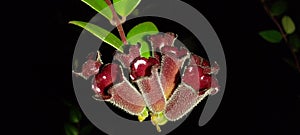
{"x":262,"y":93}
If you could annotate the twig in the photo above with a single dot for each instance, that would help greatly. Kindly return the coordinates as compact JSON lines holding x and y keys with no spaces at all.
{"x":282,"y":33}
{"x":117,"y":22}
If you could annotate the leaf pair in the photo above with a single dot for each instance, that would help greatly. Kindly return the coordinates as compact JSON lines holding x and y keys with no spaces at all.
{"x":101,"y":33}
{"x":274,"y":36}
{"x":135,"y":35}
{"x":122,"y":7}
{"x":277,"y":9}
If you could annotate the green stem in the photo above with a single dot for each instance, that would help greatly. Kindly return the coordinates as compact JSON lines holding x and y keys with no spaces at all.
{"x":117,"y":22}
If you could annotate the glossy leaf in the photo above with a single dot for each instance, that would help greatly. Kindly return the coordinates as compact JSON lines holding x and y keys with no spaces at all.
{"x":75,"y":115}
{"x":101,"y":33}
{"x":70,"y":129}
{"x":272,"y":36}
{"x":125,"y":7}
{"x":139,"y":33}
{"x":278,"y":7}
{"x":101,"y":7}
{"x":288,"y":24}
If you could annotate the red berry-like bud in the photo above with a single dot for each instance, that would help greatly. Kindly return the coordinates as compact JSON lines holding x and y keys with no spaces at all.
{"x":141,"y":67}
{"x":109,"y":75}
{"x":205,"y":82}
{"x":195,"y":77}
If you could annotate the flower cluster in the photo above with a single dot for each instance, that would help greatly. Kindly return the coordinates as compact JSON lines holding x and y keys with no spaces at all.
{"x":167,"y":86}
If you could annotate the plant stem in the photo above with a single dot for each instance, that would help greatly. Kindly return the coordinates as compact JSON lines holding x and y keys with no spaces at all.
{"x":283,"y":34}
{"x":117,"y":22}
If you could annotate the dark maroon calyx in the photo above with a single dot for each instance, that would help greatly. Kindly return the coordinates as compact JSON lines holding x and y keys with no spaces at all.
{"x":199,"y":61}
{"x":157,"y":56}
{"x":141,"y":67}
{"x":171,"y":50}
{"x":162,"y":39}
{"x":192,"y":76}
{"x":131,"y":52}
{"x":110,"y":74}
{"x":90,"y":67}
{"x":203,"y":63}
{"x":214,"y":68}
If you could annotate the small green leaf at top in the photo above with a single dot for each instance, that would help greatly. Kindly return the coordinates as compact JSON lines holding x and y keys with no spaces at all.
{"x":70,"y":129}
{"x":125,"y":7}
{"x":278,"y":8}
{"x":288,"y":24}
{"x":272,"y":36}
{"x":101,"y":33}
{"x":101,"y":7}
{"x":138,"y":35}
{"x":75,"y":115}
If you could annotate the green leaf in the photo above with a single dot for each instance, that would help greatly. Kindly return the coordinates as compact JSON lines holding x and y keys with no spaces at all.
{"x":272,"y":36}
{"x":288,"y":24}
{"x":125,"y":7}
{"x":278,"y":8}
{"x":86,"y":130}
{"x":75,"y":115}
{"x":101,"y":7}
{"x":101,"y":33}
{"x":70,"y":129}
{"x":294,"y":40}
{"x":139,"y":33}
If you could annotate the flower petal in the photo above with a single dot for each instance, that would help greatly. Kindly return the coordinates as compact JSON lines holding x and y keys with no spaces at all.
{"x":152,"y":91}
{"x":126,"y":96}
{"x":170,"y":68}
{"x":183,"y":100}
